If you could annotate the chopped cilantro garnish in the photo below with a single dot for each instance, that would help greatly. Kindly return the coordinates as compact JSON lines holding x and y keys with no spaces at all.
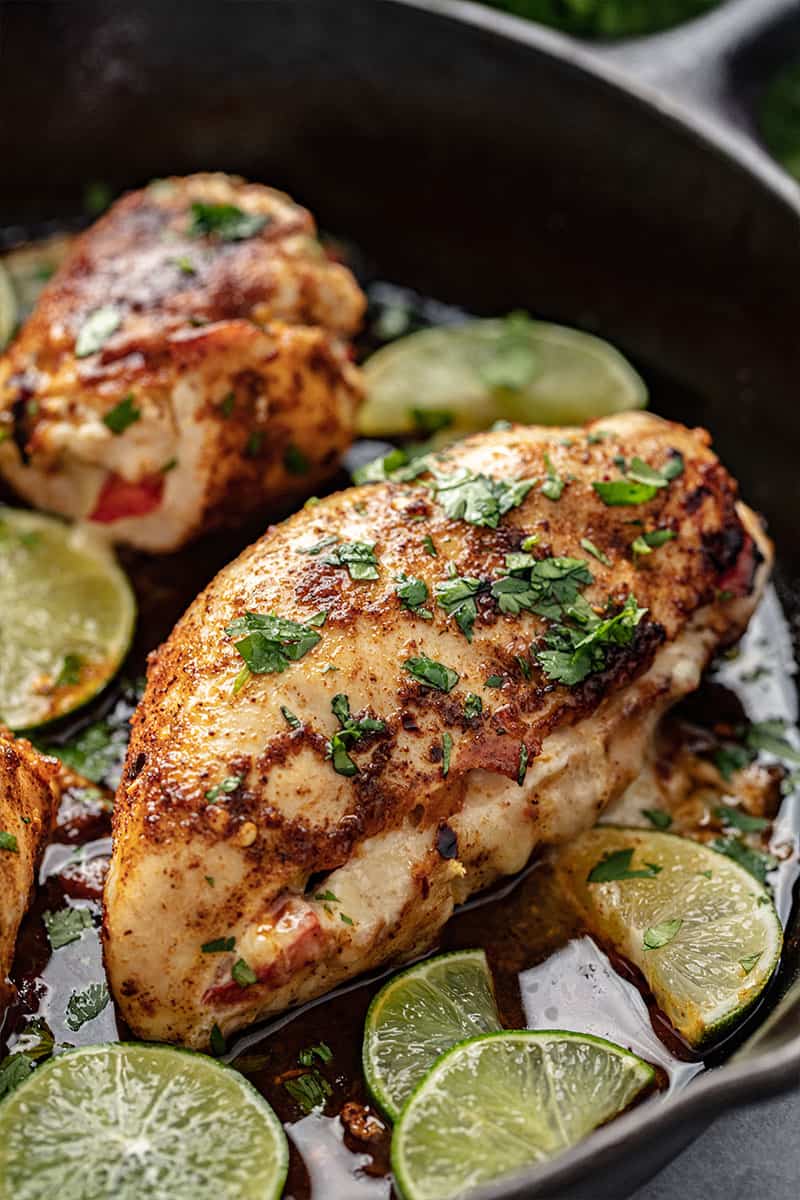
{"x":456,"y":596}
{"x":730,"y":758}
{"x":769,"y":736}
{"x":522,"y":765}
{"x":413,"y":594}
{"x":309,"y":1091}
{"x":217,"y":1041}
{"x":358,"y":557}
{"x":617,"y":866}
{"x":317,"y":547}
{"x":322,"y":1051}
{"x":86,"y":1005}
{"x":243,"y":974}
{"x":70,"y":672}
{"x":661,"y":934}
{"x":646,"y":543}
{"x":736,"y":818}
{"x":757,"y":862}
{"x":473,"y":706}
{"x":225,"y":788}
{"x":66,"y":925}
{"x":580,"y":648}
{"x":118,"y":418}
{"x":184,"y":264}
{"x":477,"y":499}
{"x":227,"y":404}
{"x":254,"y":443}
{"x":642,"y":481}
{"x":624,"y":492}
{"x":553,"y":485}
{"x":289,"y":717}
{"x":347,"y":920}
{"x":219,"y":945}
{"x":398,"y":465}
{"x":270,"y":643}
{"x":432,"y":674}
{"x":494,"y":681}
{"x":351,"y":732}
{"x":8,"y":842}
{"x":590,"y":548}
{"x":657,"y":817}
{"x":447,"y":747}
{"x":327,"y":896}
{"x":225,"y":221}
{"x":13,"y":1070}
{"x":543,"y":586}
{"x":429,"y":547}
{"x":96,"y":329}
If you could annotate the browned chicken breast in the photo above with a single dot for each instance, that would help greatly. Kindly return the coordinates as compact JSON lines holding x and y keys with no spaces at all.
{"x":393,"y":697}
{"x":28,"y":799}
{"x":186,"y":365}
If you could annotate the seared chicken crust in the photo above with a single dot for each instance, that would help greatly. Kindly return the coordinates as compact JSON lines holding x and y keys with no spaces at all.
{"x":218,"y":380}
{"x":233,"y":829}
{"x":28,"y":801}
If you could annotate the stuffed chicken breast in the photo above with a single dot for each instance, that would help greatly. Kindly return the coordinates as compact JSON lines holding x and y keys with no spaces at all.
{"x":395,"y":696}
{"x":187,"y":365}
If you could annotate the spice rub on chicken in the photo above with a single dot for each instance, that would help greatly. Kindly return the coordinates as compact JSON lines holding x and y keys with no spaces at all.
{"x":28,"y":800}
{"x":392,"y":698}
{"x":187,"y":365}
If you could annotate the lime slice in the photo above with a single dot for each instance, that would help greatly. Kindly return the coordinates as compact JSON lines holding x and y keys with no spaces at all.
{"x":8,"y":309}
{"x":703,"y":932}
{"x":67,"y":615}
{"x":419,"y":1014}
{"x":128,"y":1121}
{"x":504,"y":1101}
{"x":464,"y":377}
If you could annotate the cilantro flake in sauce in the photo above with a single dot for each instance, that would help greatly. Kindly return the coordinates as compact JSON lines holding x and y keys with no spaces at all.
{"x":86,"y":1005}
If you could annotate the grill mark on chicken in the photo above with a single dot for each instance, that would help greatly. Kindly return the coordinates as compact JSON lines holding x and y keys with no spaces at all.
{"x":375,"y":832}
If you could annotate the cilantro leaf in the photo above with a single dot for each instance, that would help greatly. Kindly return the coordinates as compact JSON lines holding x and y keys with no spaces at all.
{"x":657,"y":817}
{"x":477,"y":499}
{"x":309,"y":1091}
{"x":457,"y":597}
{"x":473,"y":706}
{"x":122,"y":415}
{"x":661,"y":934}
{"x":543,"y":586}
{"x":573,"y":653}
{"x":447,"y":747}
{"x":317,"y":547}
{"x":86,"y":1005}
{"x":243,"y":974}
{"x":8,"y":842}
{"x":736,"y":818}
{"x":295,"y":461}
{"x":13,"y":1070}
{"x":757,"y":862}
{"x":432,"y":674}
{"x":646,"y":543}
{"x":351,"y":732}
{"x":322,"y":1051}
{"x":358,"y":557}
{"x":225,"y":788}
{"x":553,"y":486}
{"x":219,"y":945}
{"x":590,"y":548}
{"x":66,"y":925}
{"x":96,"y":329}
{"x":291,"y":720}
{"x":624,"y":492}
{"x":225,"y":221}
{"x":769,"y":736}
{"x":270,"y":642}
{"x":617,"y":866}
{"x":413,"y":594}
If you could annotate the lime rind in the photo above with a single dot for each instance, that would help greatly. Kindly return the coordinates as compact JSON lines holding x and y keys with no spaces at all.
{"x":447,"y":370}
{"x":418,"y":1014}
{"x":498,"y":1103}
{"x":153,"y":1120}
{"x":714,"y":970}
{"x":61,"y":594}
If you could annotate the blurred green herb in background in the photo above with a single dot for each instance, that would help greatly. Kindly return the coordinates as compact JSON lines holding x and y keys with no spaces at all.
{"x":607,"y":18}
{"x":780,"y":118}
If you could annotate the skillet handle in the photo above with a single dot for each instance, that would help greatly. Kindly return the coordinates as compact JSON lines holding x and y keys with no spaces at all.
{"x":709,"y":70}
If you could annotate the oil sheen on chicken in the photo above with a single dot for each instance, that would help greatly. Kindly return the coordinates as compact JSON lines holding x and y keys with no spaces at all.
{"x":322,"y":813}
{"x":186,"y":365}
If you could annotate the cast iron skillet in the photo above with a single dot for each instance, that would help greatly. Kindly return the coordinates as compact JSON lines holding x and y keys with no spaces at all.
{"x":490,"y":163}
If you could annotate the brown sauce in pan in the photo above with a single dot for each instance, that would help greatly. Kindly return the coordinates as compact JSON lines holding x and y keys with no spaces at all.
{"x":547,"y":972}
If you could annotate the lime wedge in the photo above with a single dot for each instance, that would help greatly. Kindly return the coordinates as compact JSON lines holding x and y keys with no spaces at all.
{"x":128,"y":1121}
{"x":462,"y":378}
{"x":8,"y":308}
{"x":504,"y":1101}
{"x":67,"y":615}
{"x":28,"y":268}
{"x":703,"y":932}
{"x":421,"y":1013}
